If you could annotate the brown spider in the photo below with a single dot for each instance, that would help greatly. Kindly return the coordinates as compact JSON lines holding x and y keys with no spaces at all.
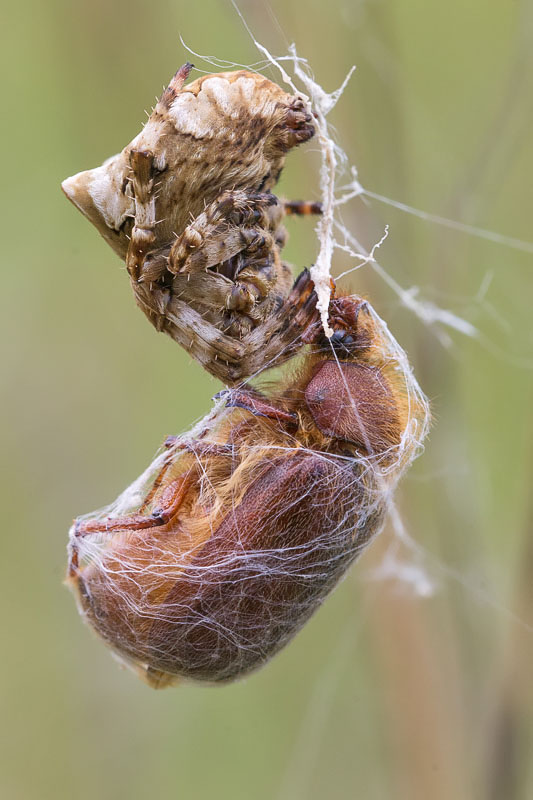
{"x":188,"y":206}
{"x":249,"y":524}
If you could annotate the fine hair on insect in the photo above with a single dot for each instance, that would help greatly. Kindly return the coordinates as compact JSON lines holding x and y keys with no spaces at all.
{"x":212,"y":561}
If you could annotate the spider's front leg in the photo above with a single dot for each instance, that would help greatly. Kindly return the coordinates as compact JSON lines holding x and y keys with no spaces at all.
{"x":142,"y":239}
{"x":226,"y":267}
{"x":234,"y":222}
{"x":239,"y":237}
{"x":294,"y":324}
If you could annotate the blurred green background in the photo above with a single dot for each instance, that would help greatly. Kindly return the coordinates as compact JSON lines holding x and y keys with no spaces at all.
{"x":385,"y":694}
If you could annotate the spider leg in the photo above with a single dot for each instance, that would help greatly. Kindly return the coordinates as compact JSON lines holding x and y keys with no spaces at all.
{"x":221,"y":289}
{"x":238,"y":237}
{"x":301,"y":208}
{"x":235,"y":295}
{"x":221,"y":244}
{"x":281,"y":334}
{"x":228,"y":357}
{"x":142,"y":235}
{"x":236,"y":221}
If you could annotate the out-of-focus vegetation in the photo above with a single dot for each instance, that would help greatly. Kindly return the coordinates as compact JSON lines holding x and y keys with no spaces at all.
{"x":385,"y":694}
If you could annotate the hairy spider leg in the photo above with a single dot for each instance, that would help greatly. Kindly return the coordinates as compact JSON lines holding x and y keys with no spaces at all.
{"x":301,"y":208}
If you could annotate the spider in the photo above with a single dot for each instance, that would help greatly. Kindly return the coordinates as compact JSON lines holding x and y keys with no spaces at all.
{"x":188,"y":206}
{"x":250,"y":523}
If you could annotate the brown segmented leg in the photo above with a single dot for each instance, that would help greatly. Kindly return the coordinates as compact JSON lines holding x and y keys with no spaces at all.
{"x":230,"y":315}
{"x":221,"y":245}
{"x":158,"y":482}
{"x":301,"y":208}
{"x":226,"y":357}
{"x":235,"y":222}
{"x":248,"y":208}
{"x":169,"y":504}
{"x":258,"y":405}
{"x":142,"y":236}
{"x":302,"y":290}
{"x":277,"y":339}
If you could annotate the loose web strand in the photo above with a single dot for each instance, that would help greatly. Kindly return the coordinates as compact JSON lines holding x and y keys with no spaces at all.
{"x":334,"y":165}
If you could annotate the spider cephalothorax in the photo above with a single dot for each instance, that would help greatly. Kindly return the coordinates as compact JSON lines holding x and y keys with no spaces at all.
{"x":188,"y":206}
{"x":246,"y":525}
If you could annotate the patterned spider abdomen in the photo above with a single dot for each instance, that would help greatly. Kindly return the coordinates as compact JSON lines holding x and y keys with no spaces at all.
{"x":227,"y":131}
{"x":188,"y":206}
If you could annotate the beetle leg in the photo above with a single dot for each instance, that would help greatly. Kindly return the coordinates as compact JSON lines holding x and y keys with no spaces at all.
{"x":257,"y":405}
{"x":158,"y":679}
{"x":172,"y":498}
{"x":168,"y":505}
